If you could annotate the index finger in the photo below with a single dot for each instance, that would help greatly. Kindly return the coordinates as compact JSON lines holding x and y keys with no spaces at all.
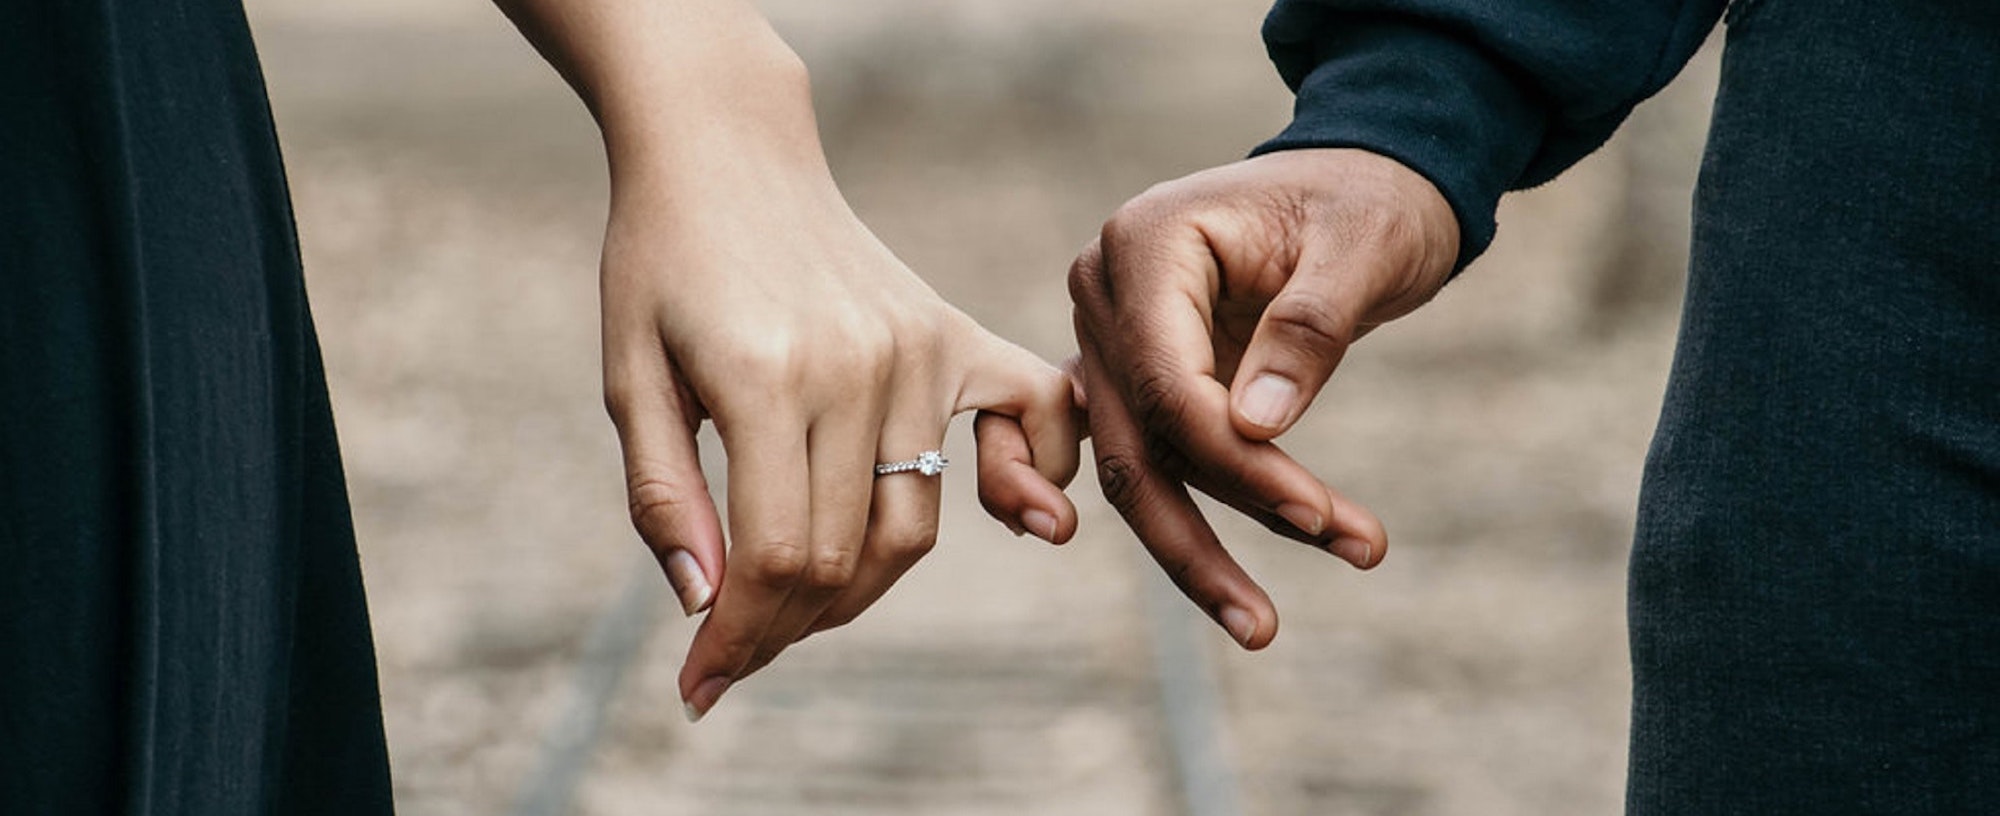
{"x":1146,"y":296}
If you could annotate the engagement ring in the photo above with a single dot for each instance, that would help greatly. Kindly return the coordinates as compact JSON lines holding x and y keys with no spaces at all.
{"x":929,"y":463}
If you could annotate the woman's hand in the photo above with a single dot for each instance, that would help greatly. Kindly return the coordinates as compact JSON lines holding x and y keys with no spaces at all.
{"x":755,"y":299}
{"x":738,"y":287}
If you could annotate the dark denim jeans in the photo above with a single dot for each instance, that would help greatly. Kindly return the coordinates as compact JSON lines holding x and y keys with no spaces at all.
{"x":1815,"y":588}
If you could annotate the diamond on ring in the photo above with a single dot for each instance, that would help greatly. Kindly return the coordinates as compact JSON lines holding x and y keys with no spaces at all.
{"x":928,"y":463}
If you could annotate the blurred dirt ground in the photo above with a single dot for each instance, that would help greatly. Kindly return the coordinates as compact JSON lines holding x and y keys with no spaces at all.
{"x":450,"y":197}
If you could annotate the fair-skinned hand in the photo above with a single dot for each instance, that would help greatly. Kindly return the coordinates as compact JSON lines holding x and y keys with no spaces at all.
{"x":1210,"y":312}
{"x":738,"y":287}
{"x":763,"y":304}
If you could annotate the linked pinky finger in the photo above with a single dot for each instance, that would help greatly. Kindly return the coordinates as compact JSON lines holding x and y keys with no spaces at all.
{"x":1011,"y":489}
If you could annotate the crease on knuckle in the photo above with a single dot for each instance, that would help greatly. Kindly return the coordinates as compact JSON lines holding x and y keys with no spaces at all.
{"x":1119,"y":477}
{"x":1320,"y":327}
{"x":831,"y":569}
{"x":1166,"y":456}
{"x":1158,"y":401}
{"x":779,"y":564}
{"x":737,"y":648}
{"x":656,"y":501}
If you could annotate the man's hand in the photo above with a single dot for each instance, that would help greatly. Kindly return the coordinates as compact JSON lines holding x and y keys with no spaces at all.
{"x":1210,"y":312}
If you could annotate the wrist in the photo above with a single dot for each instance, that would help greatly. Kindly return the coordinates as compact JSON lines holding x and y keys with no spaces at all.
{"x":756,"y":92}
{"x":746,"y":127}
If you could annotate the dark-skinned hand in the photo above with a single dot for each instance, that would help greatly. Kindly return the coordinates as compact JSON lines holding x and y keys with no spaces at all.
{"x":1209,"y":313}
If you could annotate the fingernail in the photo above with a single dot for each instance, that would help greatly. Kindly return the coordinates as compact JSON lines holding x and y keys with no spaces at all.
{"x":704,"y":698}
{"x":1305,"y":518}
{"x":1240,"y":623}
{"x":1041,"y":524}
{"x":1354,"y":551}
{"x":1267,"y":401}
{"x":684,"y":573}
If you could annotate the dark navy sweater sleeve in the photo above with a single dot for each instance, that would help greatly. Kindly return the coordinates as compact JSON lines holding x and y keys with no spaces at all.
{"x":1480,"y":96}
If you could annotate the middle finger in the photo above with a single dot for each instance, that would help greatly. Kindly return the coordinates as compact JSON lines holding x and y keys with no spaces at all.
{"x":842,"y":451}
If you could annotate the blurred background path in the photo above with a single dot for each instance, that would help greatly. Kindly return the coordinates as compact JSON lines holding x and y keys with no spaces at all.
{"x":450,"y":197}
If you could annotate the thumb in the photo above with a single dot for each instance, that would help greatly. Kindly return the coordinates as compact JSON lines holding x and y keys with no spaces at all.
{"x":1301,"y":337}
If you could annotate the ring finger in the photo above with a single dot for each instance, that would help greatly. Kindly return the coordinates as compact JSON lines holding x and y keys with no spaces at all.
{"x":902,"y":523}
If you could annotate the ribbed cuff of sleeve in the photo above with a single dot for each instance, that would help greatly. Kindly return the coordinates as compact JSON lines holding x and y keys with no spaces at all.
{"x":1419,"y":96}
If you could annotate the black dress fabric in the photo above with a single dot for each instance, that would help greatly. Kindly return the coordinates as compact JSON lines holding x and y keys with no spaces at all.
{"x":182,"y":627}
{"x":1815,"y":581}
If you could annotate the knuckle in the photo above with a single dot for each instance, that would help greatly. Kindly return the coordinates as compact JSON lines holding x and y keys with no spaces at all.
{"x":1086,"y":276}
{"x":1137,"y":223}
{"x":912,"y":545}
{"x":1118,"y":476}
{"x":655,"y":500}
{"x":837,"y":355}
{"x":623,"y":399}
{"x":1165,"y":207}
{"x":874,"y":343}
{"x":855,"y":350}
{"x":1160,"y":201}
{"x":618,"y":401}
{"x":779,"y":564}
{"x":736,"y":648}
{"x":1128,"y":225}
{"x":1165,"y":455}
{"x":1157,"y":399}
{"x":1304,"y":319}
{"x":1054,"y":392}
{"x":762,"y":363}
{"x":833,"y":569}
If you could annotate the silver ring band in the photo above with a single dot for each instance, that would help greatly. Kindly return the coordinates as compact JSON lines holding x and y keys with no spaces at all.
{"x":928,"y":463}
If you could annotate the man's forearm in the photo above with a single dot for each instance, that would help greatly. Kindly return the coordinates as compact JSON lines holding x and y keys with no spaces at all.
{"x":1479,"y":96}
